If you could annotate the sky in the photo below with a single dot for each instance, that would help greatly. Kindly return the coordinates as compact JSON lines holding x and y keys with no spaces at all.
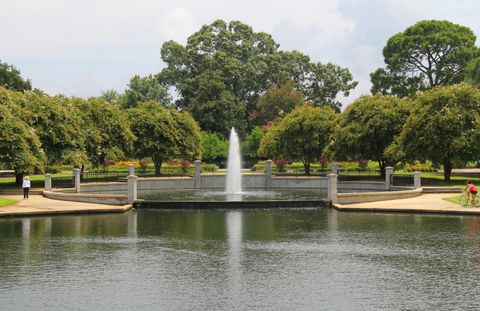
{"x":80,"y":48}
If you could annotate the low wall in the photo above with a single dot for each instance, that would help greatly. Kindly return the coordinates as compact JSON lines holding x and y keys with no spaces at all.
{"x":344,"y":186}
{"x":103,"y":198}
{"x":350,"y":198}
{"x":299,"y":182}
{"x":111,"y":187}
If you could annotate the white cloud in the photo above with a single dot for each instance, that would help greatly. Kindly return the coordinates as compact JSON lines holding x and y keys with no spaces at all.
{"x":177,"y":24}
{"x":57,"y":42}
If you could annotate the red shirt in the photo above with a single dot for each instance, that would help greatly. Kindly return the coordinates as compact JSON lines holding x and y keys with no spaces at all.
{"x":473,"y":188}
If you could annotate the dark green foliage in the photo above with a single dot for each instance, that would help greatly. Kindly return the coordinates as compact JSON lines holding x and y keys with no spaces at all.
{"x":300,"y":136}
{"x":142,"y":89}
{"x":428,"y":54}
{"x":225,"y":67}
{"x":11,"y":79}
{"x":164,"y":134}
{"x":443,"y":127}
{"x":368,"y":127}
{"x":214,"y":148}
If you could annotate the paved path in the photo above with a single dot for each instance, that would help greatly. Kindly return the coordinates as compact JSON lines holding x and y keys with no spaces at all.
{"x":425,"y":203}
{"x":39,"y":205}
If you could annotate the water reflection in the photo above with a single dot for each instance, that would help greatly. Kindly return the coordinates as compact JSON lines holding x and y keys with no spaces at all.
{"x":240,"y":259}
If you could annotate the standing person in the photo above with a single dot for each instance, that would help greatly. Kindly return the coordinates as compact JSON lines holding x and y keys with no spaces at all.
{"x":472,"y":191}
{"x":26,"y":187}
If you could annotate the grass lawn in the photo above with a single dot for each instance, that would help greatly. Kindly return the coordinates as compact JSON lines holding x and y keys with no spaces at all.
{"x":37,"y":181}
{"x":456,"y":200}
{"x":5,"y":202}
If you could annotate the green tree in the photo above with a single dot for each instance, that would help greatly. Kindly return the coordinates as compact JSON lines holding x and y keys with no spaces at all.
{"x":142,"y":89}
{"x":442,"y":127}
{"x":428,"y":54}
{"x":230,"y":64}
{"x":368,"y":127}
{"x":107,"y":131}
{"x":275,"y":103}
{"x":10,"y":78}
{"x":251,"y":144}
{"x":164,"y":134}
{"x":58,"y":124}
{"x":20,"y":147}
{"x":214,"y":148}
{"x":111,"y":96}
{"x":302,"y":135}
{"x":472,"y":73}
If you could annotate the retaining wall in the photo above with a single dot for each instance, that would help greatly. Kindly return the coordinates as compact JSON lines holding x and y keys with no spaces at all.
{"x":103,"y":198}
{"x":359,"y":197}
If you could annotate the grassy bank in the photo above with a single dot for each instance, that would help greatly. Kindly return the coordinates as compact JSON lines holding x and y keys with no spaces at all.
{"x":5,"y":202}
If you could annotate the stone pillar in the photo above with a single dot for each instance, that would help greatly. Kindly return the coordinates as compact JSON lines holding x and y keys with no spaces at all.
{"x":198,"y":174}
{"x":417,"y":182}
{"x":335,"y":168}
{"x":76,"y":179}
{"x":332,"y":188}
{"x":131,"y":170}
{"x":268,"y":174}
{"x":132,"y":188}
{"x":48,"y":182}
{"x":388,"y":177}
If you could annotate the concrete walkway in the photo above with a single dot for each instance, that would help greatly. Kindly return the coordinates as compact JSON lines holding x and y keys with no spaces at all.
{"x":39,"y":205}
{"x":425,"y":203}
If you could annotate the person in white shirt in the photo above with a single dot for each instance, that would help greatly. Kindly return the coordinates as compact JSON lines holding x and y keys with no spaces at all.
{"x":26,"y":187}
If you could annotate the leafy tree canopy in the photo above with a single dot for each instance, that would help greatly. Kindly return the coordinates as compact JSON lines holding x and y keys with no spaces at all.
{"x":443,"y":127}
{"x":164,"y":134}
{"x":214,"y":148}
{"x":20,"y":147}
{"x":275,"y":103}
{"x":428,"y":54}
{"x":230,"y":61}
{"x":10,"y":78}
{"x":142,"y":89}
{"x":301,"y":136}
{"x":472,"y":73}
{"x":367,"y":127}
{"x":107,"y":131}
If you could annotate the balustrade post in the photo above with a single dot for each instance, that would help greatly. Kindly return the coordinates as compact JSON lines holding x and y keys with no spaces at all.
{"x":132,"y":188}
{"x":332,"y":191}
{"x":417,"y":181}
{"x":335,"y":168}
{"x":268,"y":174}
{"x":388,"y":177}
{"x":76,"y":179}
{"x":198,"y":174}
{"x":48,"y":182}
{"x":131,"y":170}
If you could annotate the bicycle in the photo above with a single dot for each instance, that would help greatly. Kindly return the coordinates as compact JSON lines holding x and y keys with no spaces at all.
{"x":465,"y":200}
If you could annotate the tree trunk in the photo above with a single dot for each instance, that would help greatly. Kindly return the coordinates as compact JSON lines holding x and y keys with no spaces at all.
{"x":18,"y":178}
{"x":157,"y":161}
{"x":306,"y":167}
{"x":447,"y":170}
{"x":382,"y":165}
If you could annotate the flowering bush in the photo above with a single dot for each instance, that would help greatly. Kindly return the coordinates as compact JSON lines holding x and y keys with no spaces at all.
{"x":281,"y":165}
{"x":185,"y":166}
{"x":363,"y":164}
{"x":323,"y":161}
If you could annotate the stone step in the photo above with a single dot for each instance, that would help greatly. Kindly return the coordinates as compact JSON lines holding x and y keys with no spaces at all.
{"x":442,"y":189}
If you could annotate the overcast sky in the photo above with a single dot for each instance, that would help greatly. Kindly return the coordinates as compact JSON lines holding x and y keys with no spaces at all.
{"x":83,"y":47}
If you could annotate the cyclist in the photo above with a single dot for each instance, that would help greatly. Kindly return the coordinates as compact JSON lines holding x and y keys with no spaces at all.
{"x":472,"y":191}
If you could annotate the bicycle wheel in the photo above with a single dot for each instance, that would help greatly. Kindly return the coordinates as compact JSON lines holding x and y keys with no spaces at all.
{"x":464,"y":200}
{"x":477,"y":202}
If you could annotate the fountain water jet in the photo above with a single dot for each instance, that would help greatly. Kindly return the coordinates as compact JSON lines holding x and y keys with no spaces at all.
{"x":234,"y":175}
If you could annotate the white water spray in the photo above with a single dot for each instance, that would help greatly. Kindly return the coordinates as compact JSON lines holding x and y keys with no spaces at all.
{"x":234,"y":176}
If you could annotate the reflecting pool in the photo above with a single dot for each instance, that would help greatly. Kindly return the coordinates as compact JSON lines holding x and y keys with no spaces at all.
{"x":275,"y":259}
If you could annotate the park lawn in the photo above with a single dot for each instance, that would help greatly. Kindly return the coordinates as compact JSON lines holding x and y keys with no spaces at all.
{"x":37,"y":181}
{"x":456,"y":200}
{"x":5,"y":202}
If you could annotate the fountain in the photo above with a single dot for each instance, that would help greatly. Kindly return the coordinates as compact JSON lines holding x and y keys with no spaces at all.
{"x":234,"y":175}
{"x":256,"y":194}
